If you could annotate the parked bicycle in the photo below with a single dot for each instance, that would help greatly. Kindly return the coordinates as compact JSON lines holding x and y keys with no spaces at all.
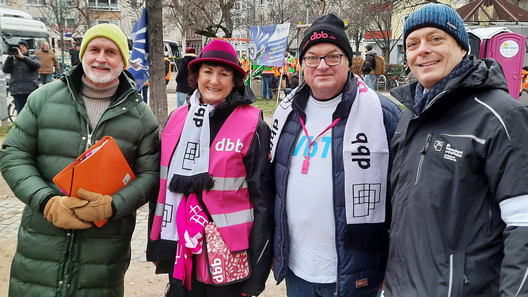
{"x":11,"y":110}
{"x":381,"y":82}
{"x":393,"y":82}
{"x":402,"y":79}
{"x":384,"y":83}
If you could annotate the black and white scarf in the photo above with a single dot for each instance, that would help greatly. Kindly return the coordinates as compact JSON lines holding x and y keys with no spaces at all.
{"x":189,"y":166}
{"x":365,"y":154}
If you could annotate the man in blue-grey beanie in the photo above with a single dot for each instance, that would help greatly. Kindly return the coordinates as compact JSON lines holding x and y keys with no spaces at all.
{"x":459,"y":197}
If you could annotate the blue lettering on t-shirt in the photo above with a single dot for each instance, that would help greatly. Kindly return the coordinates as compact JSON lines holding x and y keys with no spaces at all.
{"x":299,"y":144}
{"x":326,"y":143}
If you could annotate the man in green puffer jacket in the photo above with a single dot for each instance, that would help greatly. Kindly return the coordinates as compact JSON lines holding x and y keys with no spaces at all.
{"x":60,"y":252}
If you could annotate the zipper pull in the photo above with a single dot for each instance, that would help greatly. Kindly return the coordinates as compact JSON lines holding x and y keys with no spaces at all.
{"x":466,"y":281}
{"x":89,"y":143}
{"x":427,"y":142}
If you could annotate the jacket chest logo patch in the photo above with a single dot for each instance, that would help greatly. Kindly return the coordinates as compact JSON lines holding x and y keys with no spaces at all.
{"x":452,"y":154}
{"x":438,"y":145}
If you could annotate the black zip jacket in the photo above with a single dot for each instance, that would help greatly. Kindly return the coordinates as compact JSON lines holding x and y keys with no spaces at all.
{"x":24,"y":74}
{"x":454,"y":164}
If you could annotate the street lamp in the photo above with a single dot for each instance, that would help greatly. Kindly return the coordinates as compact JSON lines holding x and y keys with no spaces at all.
{"x":307,"y":4}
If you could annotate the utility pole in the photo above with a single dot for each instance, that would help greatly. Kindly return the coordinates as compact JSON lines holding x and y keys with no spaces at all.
{"x":3,"y":102}
{"x":300,"y":29}
{"x":307,"y":4}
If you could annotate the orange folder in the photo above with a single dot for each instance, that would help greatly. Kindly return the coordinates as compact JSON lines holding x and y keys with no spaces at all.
{"x":101,"y":169}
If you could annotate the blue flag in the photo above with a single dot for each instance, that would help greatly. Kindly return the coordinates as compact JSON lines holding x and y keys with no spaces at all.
{"x":139,"y":58}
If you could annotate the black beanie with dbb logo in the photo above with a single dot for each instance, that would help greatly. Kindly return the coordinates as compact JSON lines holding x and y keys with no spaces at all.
{"x":326,"y":29}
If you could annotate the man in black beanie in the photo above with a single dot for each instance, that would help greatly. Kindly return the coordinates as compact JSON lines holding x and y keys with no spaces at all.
{"x":330,"y":149}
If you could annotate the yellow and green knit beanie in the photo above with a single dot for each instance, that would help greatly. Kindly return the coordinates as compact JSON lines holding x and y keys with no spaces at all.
{"x":111,"y":32}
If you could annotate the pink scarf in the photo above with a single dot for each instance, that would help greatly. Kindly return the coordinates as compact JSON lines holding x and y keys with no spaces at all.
{"x":191,"y":220}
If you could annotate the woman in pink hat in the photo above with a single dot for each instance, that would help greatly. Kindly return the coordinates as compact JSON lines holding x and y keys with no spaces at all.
{"x":213,"y":221}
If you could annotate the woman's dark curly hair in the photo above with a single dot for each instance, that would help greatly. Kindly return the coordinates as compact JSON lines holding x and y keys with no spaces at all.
{"x":238,"y":78}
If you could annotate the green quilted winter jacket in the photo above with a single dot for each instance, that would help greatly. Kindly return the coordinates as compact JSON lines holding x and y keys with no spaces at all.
{"x":49,"y":133}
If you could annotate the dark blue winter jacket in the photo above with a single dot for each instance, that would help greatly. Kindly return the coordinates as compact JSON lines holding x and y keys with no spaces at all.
{"x":361,"y":249}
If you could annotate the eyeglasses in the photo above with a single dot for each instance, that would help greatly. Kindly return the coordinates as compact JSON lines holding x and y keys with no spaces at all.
{"x":330,"y":60}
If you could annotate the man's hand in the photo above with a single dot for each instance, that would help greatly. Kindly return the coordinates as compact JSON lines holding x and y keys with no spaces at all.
{"x":19,"y":54}
{"x":98,"y":206}
{"x":59,"y":211}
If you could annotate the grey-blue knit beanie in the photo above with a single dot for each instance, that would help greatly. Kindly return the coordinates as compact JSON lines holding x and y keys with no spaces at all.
{"x":439,"y":16}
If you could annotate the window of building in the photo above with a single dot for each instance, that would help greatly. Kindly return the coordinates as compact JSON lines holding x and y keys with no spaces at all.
{"x":70,"y":22}
{"x":401,"y":55}
{"x":104,"y":4}
{"x":97,"y":22}
{"x":240,"y":5}
{"x":460,"y":2}
{"x":404,"y":19}
{"x":29,"y":2}
{"x":136,"y":3}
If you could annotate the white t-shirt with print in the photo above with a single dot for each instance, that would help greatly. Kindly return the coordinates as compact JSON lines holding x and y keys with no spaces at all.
{"x":309,"y":199}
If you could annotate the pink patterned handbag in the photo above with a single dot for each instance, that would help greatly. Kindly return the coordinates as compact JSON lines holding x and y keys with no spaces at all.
{"x":225,"y":267}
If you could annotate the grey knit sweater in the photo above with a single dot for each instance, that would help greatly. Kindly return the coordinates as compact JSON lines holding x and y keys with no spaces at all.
{"x":97,"y":99}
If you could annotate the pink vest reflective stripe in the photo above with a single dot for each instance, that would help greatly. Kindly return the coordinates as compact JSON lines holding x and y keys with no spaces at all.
{"x":228,"y":202}
{"x":169,"y":138}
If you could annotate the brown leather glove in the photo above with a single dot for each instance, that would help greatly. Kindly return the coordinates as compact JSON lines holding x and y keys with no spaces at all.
{"x":98,"y":208}
{"x":59,"y":211}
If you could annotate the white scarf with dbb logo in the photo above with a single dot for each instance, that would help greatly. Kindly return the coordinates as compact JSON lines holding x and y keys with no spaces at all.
{"x":191,"y":158}
{"x":365,"y":154}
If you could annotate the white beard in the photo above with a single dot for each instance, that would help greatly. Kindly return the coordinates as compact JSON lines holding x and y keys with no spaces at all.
{"x":102,"y":78}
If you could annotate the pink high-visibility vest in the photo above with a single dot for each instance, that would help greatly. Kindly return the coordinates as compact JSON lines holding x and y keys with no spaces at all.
{"x":228,"y":202}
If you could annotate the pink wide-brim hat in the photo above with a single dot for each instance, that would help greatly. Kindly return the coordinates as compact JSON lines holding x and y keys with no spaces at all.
{"x":218,"y":51}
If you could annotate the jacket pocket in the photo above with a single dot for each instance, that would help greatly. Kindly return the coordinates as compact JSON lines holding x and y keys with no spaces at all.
{"x":457,"y":278}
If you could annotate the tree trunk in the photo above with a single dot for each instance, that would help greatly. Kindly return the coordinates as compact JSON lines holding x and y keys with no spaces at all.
{"x":158,"y":89}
